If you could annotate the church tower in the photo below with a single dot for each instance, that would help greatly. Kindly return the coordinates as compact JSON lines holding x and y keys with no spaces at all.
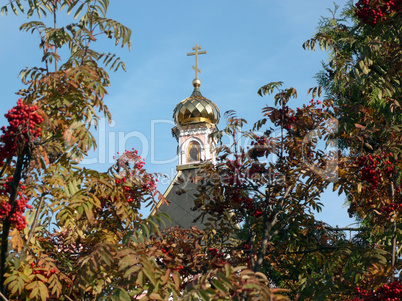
{"x":195,"y":117}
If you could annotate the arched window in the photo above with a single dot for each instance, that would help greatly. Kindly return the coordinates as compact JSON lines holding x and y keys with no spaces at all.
{"x":193,"y":152}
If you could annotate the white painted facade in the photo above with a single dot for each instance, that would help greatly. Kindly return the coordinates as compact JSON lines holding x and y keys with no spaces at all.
{"x":200,"y":135}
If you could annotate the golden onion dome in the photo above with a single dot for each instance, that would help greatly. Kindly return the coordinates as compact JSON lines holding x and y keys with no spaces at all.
{"x":196,"y":108}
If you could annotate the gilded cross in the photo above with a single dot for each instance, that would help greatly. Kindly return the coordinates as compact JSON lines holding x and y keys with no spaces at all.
{"x":196,"y":53}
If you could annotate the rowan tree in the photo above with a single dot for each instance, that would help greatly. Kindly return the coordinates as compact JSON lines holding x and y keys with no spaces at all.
{"x":271,"y":190}
{"x":279,"y":233}
{"x":363,"y":78}
{"x":83,"y":237}
{"x":76,"y":241}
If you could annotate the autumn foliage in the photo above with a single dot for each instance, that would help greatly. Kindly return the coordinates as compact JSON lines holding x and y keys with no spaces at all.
{"x":71,"y":233}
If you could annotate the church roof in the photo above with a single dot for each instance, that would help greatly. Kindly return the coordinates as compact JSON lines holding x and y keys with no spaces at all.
{"x":180,"y":196}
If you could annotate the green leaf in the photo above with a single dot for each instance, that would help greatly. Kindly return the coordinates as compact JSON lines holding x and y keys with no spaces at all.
{"x":251,"y":286}
{"x":140,"y":279}
{"x":269,"y":88}
{"x":121,"y":295}
{"x":132,"y":270}
{"x":150,"y":275}
{"x":4,"y":10}
{"x":219,"y":285}
{"x":78,"y":11}
{"x":13,"y":8}
{"x":204,"y":295}
{"x":145,"y":230}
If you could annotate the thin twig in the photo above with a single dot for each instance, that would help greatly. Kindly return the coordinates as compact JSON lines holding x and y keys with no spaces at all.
{"x":33,"y":226}
{"x":55,"y":27}
{"x":311,"y":250}
{"x":5,"y":299}
{"x":68,"y":298}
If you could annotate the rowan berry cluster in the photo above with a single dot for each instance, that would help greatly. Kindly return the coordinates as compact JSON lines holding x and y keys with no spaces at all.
{"x":387,"y":292}
{"x":130,"y":156}
{"x":176,"y":253}
{"x":316,"y":102}
{"x":314,"y":109}
{"x":105,"y":202}
{"x":15,"y":216}
{"x":256,"y":171}
{"x":133,"y":165}
{"x":6,"y":187}
{"x":283,"y":117}
{"x":373,"y":168}
{"x":42,"y":271}
{"x":24,"y":122}
{"x":246,"y":246}
{"x":148,"y":185}
{"x":372,"y":12}
{"x":234,"y":164}
{"x":233,"y":176}
{"x":391,"y":208}
{"x":259,"y":146}
{"x":168,"y":257}
{"x":5,"y":209}
{"x":216,"y":257}
{"x":149,"y":181}
{"x":167,"y":260}
{"x":126,"y":189}
{"x":119,"y":181}
{"x":234,"y":198}
{"x":244,"y":202}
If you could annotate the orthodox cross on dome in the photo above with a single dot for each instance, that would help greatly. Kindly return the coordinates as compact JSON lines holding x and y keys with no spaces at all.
{"x":196,"y":53}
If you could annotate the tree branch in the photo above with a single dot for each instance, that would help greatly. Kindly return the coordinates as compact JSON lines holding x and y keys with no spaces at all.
{"x":312,"y":250}
{"x":343,"y":229}
{"x":6,"y":223}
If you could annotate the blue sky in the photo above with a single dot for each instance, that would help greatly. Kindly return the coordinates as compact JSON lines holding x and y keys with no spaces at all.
{"x":248,"y":42}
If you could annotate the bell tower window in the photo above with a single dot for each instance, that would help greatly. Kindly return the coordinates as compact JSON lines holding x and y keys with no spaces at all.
{"x":193,"y":152}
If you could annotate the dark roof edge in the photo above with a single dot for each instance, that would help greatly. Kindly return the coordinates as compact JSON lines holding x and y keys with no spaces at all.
{"x":163,"y":199}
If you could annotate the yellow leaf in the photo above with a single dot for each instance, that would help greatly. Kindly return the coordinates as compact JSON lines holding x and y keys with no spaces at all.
{"x":44,"y":294}
{"x":16,"y":240}
{"x":155,"y":296}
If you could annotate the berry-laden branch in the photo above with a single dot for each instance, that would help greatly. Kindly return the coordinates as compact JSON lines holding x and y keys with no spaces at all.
{"x":15,"y":144}
{"x":372,"y":12}
{"x":388,"y":292}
